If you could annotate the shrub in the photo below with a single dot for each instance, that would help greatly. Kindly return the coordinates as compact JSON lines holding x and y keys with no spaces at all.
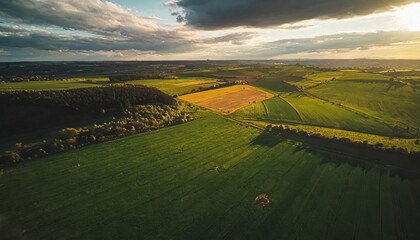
{"x":69,"y":133}
{"x":10,"y":157}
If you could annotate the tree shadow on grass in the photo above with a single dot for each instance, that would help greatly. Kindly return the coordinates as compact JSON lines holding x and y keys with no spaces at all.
{"x":267,"y":139}
{"x":392,"y":167}
{"x":394,"y":86}
{"x":403,"y":166}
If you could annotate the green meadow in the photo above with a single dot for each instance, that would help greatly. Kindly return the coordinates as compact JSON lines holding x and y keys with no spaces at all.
{"x":164,"y":185}
{"x":393,"y":104}
{"x":169,"y":86}
{"x":177,"y":86}
{"x":275,"y":109}
{"x":298,"y":108}
{"x":53,"y":85}
{"x":199,"y":179}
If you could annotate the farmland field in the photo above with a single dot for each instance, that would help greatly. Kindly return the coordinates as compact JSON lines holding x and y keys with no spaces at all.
{"x":304,"y":109}
{"x":274,"y":108}
{"x":396,"y":105}
{"x":169,"y":86}
{"x":233,"y":73}
{"x":335,"y":152}
{"x":113,"y":196}
{"x":228,"y":99}
{"x":177,"y":86}
{"x":276,"y":83}
{"x":409,"y":144}
{"x":315,"y":111}
{"x":54,"y":85}
{"x":317,"y":78}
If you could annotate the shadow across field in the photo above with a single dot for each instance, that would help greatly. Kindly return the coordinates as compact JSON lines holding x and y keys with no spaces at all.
{"x":396,"y":164}
{"x":267,"y":139}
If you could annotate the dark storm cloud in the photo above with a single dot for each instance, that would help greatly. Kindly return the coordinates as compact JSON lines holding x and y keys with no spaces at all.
{"x":263,"y":13}
{"x":16,"y":37}
{"x":19,"y":38}
{"x":100,"y":25}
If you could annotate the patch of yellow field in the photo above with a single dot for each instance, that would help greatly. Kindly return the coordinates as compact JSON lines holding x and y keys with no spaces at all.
{"x":228,"y":99}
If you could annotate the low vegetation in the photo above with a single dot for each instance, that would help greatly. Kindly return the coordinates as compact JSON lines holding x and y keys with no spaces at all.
{"x":362,"y":141}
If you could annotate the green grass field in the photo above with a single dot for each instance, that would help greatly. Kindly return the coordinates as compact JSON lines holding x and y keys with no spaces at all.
{"x":314,"y":79}
{"x":393,"y":105}
{"x":54,"y":85}
{"x":315,"y":111}
{"x":169,"y":86}
{"x":163,"y":185}
{"x":363,"y":76}
{"x":177,"y":86}
{"x":239,"y":73}
{"x":274,"y":108}
{"x":299,"y":108}
{"x":317,"y":78}
{"x":275,"y":84}
{"x":409,"y":144}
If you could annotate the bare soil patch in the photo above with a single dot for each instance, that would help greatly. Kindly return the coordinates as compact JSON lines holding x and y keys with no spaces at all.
{"x":229,"y":99}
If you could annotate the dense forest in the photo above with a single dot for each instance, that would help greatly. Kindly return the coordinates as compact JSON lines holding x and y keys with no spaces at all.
{"x":27,"y":110}
{"x":116,"y":111}
{"x":136,"y":119}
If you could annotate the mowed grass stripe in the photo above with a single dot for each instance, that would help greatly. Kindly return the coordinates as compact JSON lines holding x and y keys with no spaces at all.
{"x":282,"y":166}
{"x":217,"y":202}
{"x":295,"y":198}
{"x":109,"y":161}
{"x":177,"y":193}
{"x":231,"y":139}
{"x":110,"y":192}
{"x":180,"y":197}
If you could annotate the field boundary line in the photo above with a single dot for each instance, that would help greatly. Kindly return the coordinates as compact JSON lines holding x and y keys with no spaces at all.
{"x":297,"y":112}
{"x":267,"y":113}
{"x":345,"y":107}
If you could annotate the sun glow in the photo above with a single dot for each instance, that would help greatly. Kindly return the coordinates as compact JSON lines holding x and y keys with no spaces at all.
{"x":409,"y":16}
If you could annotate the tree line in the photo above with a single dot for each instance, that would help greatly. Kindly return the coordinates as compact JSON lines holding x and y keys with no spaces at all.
{"x":136,"y":119}
{"x":285,"y":129}
{"x":24,"y":111}
{"x":139,"y":76}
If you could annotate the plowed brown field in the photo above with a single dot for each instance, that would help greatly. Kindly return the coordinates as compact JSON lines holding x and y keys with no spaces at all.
{"x":229,"y":99}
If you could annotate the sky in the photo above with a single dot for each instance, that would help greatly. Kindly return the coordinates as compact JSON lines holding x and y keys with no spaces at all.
{"x":92,"y":30}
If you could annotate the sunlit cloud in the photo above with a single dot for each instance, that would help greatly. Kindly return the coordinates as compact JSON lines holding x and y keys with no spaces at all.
{"x":96,"y":30}
{"x":409,"y":16}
